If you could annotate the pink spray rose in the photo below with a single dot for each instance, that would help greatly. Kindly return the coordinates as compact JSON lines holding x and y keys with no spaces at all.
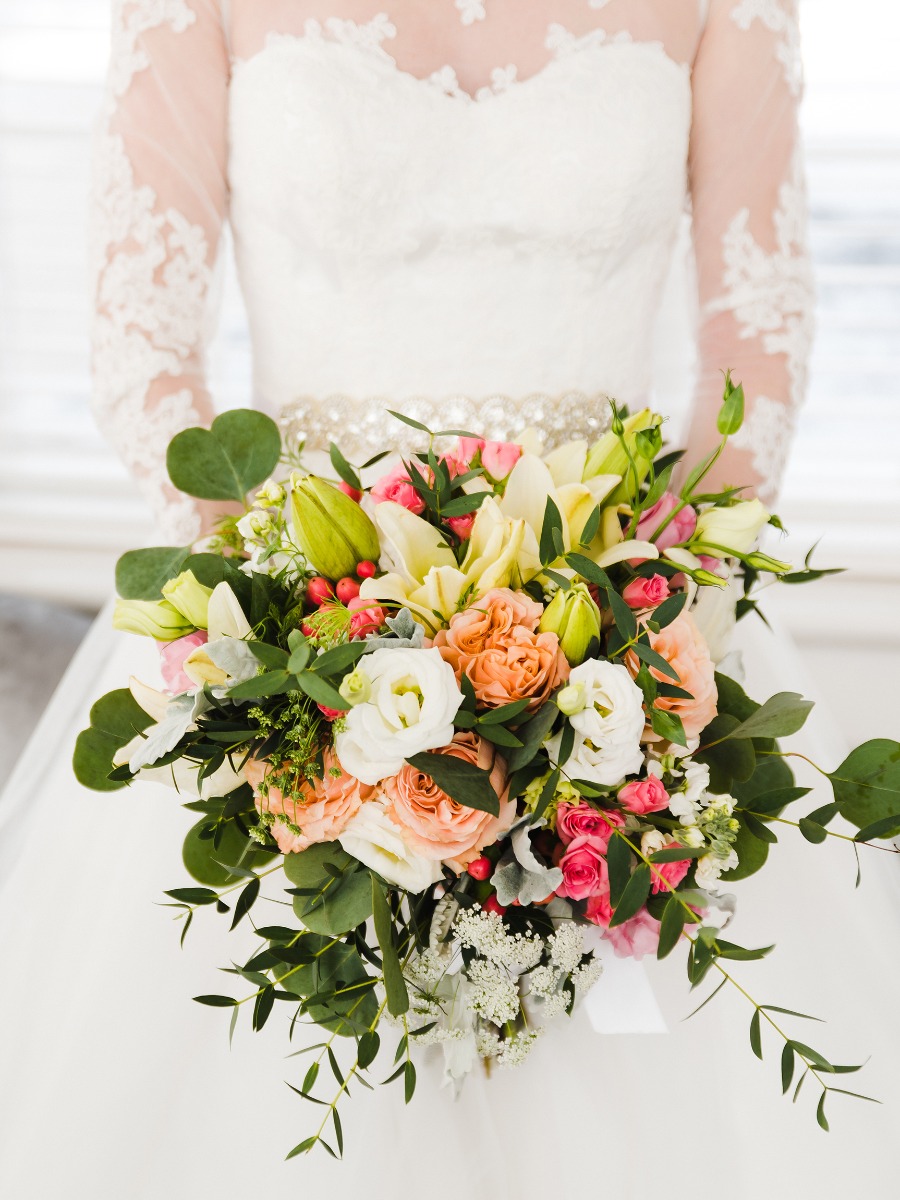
{"x":644,"y":796}
{"x":636,"y":937}
{"x":365,"y":618}
{"x":582,"y":820}
{"x":462,"y":526}
{"x":672,"y":874}
{"x":598,"y":909}
{"x":646,"y":593}
{"x":497,"y":458}
{"x":396,"y":486}
{"x":171,"y":660}
{"x":584,"y":869}
{"x":679,"y":529}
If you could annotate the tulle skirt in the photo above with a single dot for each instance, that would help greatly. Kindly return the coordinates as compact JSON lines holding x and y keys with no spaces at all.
{"x":115,"y":1086}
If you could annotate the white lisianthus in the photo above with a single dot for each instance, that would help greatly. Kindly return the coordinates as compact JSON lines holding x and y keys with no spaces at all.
{"x":608,"y":729}
{"x":735,"y":528}
{"x":373,"y":838}
{"x":710,"y":867}
{"x":714,"y":615}
{"x":413,"y":700}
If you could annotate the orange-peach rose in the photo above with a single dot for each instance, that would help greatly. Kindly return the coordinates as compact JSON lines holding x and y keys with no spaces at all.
{"x":496,"y":644}
{"x":438,"y":827}
{"x":683,"y":646}
{"x":326,"y":806}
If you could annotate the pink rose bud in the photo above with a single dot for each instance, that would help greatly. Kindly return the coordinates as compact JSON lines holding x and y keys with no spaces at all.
{"x":365,"y":618}
{"x":679,"y":529}
{"x":466,"y":450}
{"x":462,"y":526}
{"x":499,"y":458}
{"x":644,"y":796}
{"x":171,"y":660}
{"x":396,"y":486}
{"x":646,"y":593}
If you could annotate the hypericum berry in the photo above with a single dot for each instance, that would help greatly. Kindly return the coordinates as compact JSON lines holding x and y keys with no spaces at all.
{"x":307,"y":630}
{"x":480,"y":868}
{"x":347,"y":589}
{"x":366,"y":569}
{"x":318,"y":590}
{"x":493,"y":905}
{"x":352,"y":492}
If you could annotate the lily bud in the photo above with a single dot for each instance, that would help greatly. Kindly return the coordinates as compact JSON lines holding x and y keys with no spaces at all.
{"x":190,"y":597}
{"x":331,"y":529}
{"x":735,"y":528}
{"x":607,"y":456}
{"x":572,"y":699}
{"x":151,"y":618}
{"x":356,"y":688}
{"x":575,"y":619}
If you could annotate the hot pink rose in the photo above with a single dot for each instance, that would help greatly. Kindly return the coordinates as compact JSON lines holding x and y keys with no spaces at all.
{"x":365,"y":618}
{"x":499,"y":458}
{"x":672,"y":874}
{"x":644,"y":796}
{"x":583,"y":820}
{"x":679,"y":529}
{"x":584,"y":869}
{"x":396,"y":486}
{"x":636,"y":937}
{"x":599,"y":909}
{"x":646,"y":593}
{"x":171,"y":660}
{"x":462,"y":526}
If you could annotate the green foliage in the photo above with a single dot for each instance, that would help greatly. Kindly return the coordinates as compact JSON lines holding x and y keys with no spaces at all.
{"x":394,"y":983}
{"x":867,"y":787}
{"x":237,"y":453}
{"x":464,"y":782}
{"x":207,"y":849}
{"x":337,"y":890}
{"x":115,"y":719}
{"x":333,"y":984}
{"x":141,"y":574}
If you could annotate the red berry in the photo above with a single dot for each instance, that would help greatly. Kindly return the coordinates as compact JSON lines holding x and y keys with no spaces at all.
{"x":480,"y":868}
{"x":352,"y":492}
{"x":347,"y":589}
{"x":307,"y":630}
{"x":318,"y":590}
{"x":493,"y":905}
{"x":366,"y":569}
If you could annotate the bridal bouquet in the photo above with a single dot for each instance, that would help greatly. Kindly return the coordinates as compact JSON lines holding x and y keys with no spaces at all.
{"x":459,"y":716}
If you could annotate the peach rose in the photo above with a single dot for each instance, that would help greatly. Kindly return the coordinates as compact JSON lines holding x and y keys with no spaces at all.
{"x":496,"y":644}
{"x":321,"y":815}
{"x":438,"y":827}
{"x":683,"y":646}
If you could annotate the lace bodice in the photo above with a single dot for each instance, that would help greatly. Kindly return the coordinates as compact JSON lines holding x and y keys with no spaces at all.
{"x":466,"y":206}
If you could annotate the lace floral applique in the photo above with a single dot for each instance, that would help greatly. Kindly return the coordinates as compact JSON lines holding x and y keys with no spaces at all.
{"x":771,"y":294}
{"x":470,"y":11}
{"x":447,"y":81}
{"x":149,"y":294}
{"x":780,"y":17}
{"x":766,"y":435}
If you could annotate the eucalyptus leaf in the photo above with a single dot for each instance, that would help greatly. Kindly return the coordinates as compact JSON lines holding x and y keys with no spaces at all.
{"x":238,"y":452}
{"x":867,"y":785}
{"x":141,"y":574}
{"x":115,"y":720}
{"x":462,"y":781}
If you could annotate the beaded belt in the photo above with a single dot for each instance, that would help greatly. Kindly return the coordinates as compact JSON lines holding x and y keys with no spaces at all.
{"x":363,"y":426}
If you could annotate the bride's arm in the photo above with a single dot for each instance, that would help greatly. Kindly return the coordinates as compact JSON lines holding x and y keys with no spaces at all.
{"x":159,"y":201}
{"x":749,"y":222}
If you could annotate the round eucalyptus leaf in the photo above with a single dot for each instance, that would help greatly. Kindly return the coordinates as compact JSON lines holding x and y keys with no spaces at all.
{"x":200,"y":854}
{"x":867,"y":784}
{"x":115,"y":719}
{"x":141,"y":574}
{"x":238,"y":452}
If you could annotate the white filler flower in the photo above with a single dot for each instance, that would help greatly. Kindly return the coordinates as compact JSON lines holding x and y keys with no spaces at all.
{"x":608,"y":728}
{"x":411,"y":707}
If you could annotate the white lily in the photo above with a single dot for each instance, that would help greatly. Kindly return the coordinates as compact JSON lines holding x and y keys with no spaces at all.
{"x":226,"y":620}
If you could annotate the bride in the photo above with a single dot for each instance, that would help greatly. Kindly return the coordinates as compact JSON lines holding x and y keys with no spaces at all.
{"x":465,"y":209}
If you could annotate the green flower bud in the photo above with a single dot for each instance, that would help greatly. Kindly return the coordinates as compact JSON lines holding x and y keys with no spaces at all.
{"x":186,"y":593}
{"x":151,"y":618}
{"x":330,"y":528}
{"x":575,"y":619}
{"x":607,"y":456}
{"x":356,"y":688}
{"x":572,"y":699}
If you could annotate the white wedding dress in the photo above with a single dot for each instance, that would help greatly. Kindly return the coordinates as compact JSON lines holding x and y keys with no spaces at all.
{"x":465,"y":209}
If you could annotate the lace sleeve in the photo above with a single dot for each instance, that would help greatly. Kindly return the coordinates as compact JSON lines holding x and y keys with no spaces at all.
{"x":158,"y":206}
{"x":749,"y":222}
